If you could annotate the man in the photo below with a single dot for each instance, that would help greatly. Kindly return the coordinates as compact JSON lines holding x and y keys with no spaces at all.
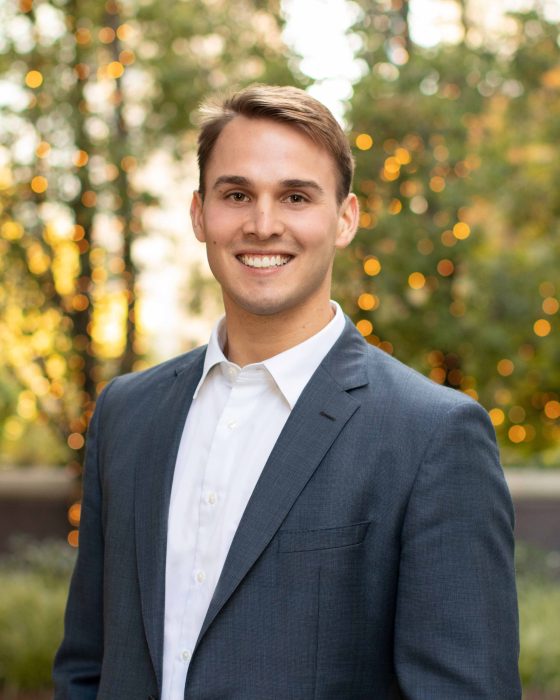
{"x":288,"y":513}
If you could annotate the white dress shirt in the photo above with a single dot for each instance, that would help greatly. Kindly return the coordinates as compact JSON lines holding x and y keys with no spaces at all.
{"x":234,"y":421}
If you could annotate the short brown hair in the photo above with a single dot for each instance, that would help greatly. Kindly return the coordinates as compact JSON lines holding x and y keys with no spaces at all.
{"x":288,"y":105}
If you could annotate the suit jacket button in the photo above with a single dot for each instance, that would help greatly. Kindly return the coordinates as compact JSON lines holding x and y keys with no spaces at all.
{"x":152,"y":697}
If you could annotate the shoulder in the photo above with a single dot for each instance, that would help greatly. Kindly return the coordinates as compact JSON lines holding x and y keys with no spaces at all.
{"x":138,"y":386}
{"x":415,"y":406}
{"x":392,"y":378}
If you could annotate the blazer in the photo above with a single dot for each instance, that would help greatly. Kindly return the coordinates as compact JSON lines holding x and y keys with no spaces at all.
{"x":374,"y":559}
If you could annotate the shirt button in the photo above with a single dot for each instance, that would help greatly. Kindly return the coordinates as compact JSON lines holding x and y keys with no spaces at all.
{"x":232,"y":425}
{"x":186,"y":656}
{"x":211,"y":498}
{"x":200,"y":576}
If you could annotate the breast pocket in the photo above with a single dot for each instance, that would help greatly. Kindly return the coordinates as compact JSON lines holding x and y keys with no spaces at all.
{"x":328,"y":538}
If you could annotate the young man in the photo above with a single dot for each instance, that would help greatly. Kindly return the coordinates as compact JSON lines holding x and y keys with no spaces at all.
{"x":288,"y":513}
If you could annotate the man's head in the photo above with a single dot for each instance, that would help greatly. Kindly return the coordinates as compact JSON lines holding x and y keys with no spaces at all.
{"x":274,"y":203}
{"x":288,"y":105}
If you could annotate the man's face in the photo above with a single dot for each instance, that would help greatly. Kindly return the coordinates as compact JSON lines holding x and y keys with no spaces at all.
{"x":270,"y":218}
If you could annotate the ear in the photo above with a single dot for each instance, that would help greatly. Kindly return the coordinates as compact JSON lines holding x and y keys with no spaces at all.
{"x":196,"y":217}
{"x":347,"y":221}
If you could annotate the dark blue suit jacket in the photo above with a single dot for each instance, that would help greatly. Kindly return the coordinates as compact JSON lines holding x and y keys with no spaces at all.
{"x":374,"y":559}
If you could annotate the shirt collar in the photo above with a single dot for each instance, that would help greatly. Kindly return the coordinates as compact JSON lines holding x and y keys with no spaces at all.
{"x":291,"y":369}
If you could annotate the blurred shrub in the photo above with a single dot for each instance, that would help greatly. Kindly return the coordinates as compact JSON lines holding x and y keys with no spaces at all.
{"x":34,"y":584}
{"x":538,"y":580}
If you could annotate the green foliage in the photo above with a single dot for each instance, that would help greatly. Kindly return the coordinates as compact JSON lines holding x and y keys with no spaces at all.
{"x":94,"y":92}
{"x":539,"y":611}
{"x":31,"y":613}
{"x":34,"y":584}
{"x":464,"y":135}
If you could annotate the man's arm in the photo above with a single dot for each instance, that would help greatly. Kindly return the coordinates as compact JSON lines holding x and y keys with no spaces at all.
{"x":456,"y":627}
{"x":77,"y":666}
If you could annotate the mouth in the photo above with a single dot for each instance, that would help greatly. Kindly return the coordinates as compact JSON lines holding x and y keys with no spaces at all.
{"x":264,"y":261}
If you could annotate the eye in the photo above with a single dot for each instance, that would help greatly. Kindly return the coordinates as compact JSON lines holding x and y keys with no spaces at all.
{"x":296,"y":198}
{"x":238,"y":197}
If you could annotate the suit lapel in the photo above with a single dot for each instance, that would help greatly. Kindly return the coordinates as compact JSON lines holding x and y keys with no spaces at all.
{"x":314,"y":424}
{"x":154,"y":477}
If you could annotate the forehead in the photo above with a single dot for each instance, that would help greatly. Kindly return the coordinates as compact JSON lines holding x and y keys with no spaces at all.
{"x":270,"y":149}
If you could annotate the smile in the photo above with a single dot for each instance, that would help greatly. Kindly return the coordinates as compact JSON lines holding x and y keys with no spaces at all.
{"x":264,"y":260}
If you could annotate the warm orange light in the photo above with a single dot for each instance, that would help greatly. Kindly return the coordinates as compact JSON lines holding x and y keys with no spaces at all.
{"x":89,"y":198}
{"x":372,"y":266}
{"x":106,"y":35}
{"x":402,"y":156}
{"x":127,"y":57}
{"x":416,"y":280}
{"x":74,"y":514}
{"x":365,"y":219}
{"x":12,"y":230}
{"x":392,"y":165}
{"x":448,"y":239}
{"x":128,"y":163}
{"x":552,"y":409}
{"x":473,"y":393}
{"x":364,"y":142}
{"x":39,"y":184}
{"x":395,"y":206}
{"x":73,"y":538}
{"x":517,"y":433}
{"x":505,"y":367}
{"x":438,"y":375}
{"x":80,"y":159}
{"x":34,"y":79}
{"x":445,"y":267}
{"x":437,"y":183}
{"x":542,"y":327}
{"x":83,"y":36}
{"x":365,"y":327}
{"x":386,"y":346}
{"x":124,"y":32}
{"x":115,"y":69}
{"x":80,"y":302}
{"x":550,"y":305}
{"x":461,"y":230}
{"x":497,"y":416}
{"x":78,"y":232}
{"x":76,"y":441}
{"x":42,"y":150}
{"x":367,"y":302}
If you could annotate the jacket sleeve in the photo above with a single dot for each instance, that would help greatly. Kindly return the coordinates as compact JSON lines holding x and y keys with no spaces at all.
{"x":456,"y":624}
{"x":77,"y":665}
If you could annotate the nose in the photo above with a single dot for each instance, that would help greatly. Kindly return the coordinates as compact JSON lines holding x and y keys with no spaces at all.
{"x":264,"y":220}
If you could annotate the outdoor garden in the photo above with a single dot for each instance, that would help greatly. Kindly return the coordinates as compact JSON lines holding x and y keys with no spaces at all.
{"x":455,"y":269}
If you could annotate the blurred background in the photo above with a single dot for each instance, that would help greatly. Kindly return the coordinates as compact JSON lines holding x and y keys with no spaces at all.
{"x":453,"y":111}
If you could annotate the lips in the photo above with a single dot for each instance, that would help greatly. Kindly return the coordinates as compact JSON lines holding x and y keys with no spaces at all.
{"x":264,"y":261}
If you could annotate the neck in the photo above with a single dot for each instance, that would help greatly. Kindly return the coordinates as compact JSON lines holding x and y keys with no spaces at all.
{"x":252,"y":338}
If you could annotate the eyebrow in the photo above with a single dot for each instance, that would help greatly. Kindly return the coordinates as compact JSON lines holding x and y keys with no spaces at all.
{"x":292,"y":183}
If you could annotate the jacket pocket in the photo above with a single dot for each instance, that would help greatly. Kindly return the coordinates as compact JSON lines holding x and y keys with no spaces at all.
{"x":328,"y":538}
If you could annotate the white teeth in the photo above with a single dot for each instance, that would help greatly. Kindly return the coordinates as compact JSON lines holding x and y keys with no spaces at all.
{"x":264,"y":260}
